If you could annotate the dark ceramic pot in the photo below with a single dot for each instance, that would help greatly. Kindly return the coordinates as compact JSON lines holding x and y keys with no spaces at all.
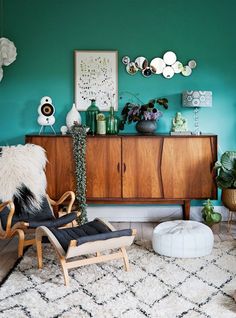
{"x":146,"y":126}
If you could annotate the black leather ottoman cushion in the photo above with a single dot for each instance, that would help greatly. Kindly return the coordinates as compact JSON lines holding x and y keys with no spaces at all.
{"x":89,"y":232}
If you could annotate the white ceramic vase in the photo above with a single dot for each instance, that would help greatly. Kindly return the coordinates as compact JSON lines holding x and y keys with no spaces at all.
{"x":72,"y":116}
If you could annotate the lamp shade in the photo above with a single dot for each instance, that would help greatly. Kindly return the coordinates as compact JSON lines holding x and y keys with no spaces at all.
{"x":197,"y":99}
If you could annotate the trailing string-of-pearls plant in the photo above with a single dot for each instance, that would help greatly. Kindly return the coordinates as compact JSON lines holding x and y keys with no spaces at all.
{"x":79,"y":151}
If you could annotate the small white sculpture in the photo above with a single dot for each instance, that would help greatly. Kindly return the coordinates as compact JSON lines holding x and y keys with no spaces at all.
{"x":179,"y":123}
{"x":64,"y":130}
{"x":72,"y":116}
{"x":7,"y":54}
{"x":46,"y":112}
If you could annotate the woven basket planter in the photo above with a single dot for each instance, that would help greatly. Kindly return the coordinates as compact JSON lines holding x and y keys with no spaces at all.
{"x":229,"y":198}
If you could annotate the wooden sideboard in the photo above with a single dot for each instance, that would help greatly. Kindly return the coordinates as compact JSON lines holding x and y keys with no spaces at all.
{"x":135,"y":169}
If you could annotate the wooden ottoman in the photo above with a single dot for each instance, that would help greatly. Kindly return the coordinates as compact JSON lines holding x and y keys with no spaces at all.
{"x":93,"y":237}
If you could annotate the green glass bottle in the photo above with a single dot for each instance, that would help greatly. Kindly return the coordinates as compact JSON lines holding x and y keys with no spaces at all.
{"x":91,"y":117}
{"x":112,"y":123}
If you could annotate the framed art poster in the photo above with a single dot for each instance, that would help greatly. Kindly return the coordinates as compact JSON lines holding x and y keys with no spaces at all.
{"x":96,"y":77}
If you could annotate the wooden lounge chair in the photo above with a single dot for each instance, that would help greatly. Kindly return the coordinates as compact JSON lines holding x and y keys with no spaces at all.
{"x":12,"y":223}
{"x":93,"y":237}
{"x":24,"y":204}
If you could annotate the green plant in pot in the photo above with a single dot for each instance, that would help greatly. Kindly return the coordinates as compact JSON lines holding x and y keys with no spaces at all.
{"x":209,"y":216}
{"x":226,"y":178}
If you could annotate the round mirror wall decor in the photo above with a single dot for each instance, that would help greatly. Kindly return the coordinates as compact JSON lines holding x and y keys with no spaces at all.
{"x":125,"y":60}
{"x":186,"y":71}
{"x":177,"y":67}
{"x":168,"y":66}
{"x":192,"y":64}
{"x":157,"y":65}
{"x":168,"y":72}
{"x":169,"y":58}
{"x":147,"y":72}
{"x":141,"y":62}
{"x":131,"y":68}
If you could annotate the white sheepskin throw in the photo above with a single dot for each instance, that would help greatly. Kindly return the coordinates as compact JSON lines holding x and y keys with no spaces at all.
{"x":22,"y":176}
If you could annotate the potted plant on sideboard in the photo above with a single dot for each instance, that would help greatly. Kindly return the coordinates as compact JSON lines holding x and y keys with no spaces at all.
{"x":226,"y":179}
{"x":145,"y":116}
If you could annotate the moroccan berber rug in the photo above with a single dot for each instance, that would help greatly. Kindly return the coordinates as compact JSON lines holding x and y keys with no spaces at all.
{"x":156,"y":287}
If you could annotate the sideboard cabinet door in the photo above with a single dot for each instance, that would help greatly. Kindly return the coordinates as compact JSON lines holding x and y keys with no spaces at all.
{"x":49,"y":144}
{"x":141,"y":167}
{"x":187,"y":167}
{"x":60,"y":165}
{"x":65,"y":166}
{"x":103,"y":161}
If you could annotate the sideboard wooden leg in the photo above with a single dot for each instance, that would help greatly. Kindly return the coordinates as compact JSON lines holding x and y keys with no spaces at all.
{"x":186,"y":209}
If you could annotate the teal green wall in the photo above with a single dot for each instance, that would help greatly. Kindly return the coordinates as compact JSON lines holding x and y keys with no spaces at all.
{"x":46,"y":32}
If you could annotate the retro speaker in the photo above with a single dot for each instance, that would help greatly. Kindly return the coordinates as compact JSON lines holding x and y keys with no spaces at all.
{"x":46,"y":112}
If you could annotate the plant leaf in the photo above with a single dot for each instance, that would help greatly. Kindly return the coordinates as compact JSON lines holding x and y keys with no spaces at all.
{"x":228,"y":160}
{"x":227,"y":170}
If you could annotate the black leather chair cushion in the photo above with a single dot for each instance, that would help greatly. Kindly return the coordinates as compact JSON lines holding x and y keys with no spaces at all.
{"x":89,"y":232}
{"x":44,"y":217}
{"x":63,"y":220}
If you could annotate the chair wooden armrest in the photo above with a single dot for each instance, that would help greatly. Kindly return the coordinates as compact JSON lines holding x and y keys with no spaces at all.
{"x":10,"y":230}
{"x":10,"y":216}
{"x":62,"y":199}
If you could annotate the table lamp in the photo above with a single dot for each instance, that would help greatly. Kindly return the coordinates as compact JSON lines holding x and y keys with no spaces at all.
{"x":196,"y":99}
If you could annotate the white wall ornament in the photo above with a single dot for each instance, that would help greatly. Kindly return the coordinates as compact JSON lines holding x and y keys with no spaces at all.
{"x":1,"y":73}
{"x":168,"y":66}
{"x":7,"y":53}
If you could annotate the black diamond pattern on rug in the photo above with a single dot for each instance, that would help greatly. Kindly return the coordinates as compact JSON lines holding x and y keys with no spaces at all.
{"x":156,"y":287}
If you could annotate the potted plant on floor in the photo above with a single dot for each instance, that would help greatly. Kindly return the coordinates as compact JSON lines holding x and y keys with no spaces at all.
{"x":226,"y":179}
{"x":209,"y":216}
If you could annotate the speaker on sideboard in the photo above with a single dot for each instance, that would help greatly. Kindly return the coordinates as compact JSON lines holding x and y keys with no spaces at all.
{"x":46,"y":112}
